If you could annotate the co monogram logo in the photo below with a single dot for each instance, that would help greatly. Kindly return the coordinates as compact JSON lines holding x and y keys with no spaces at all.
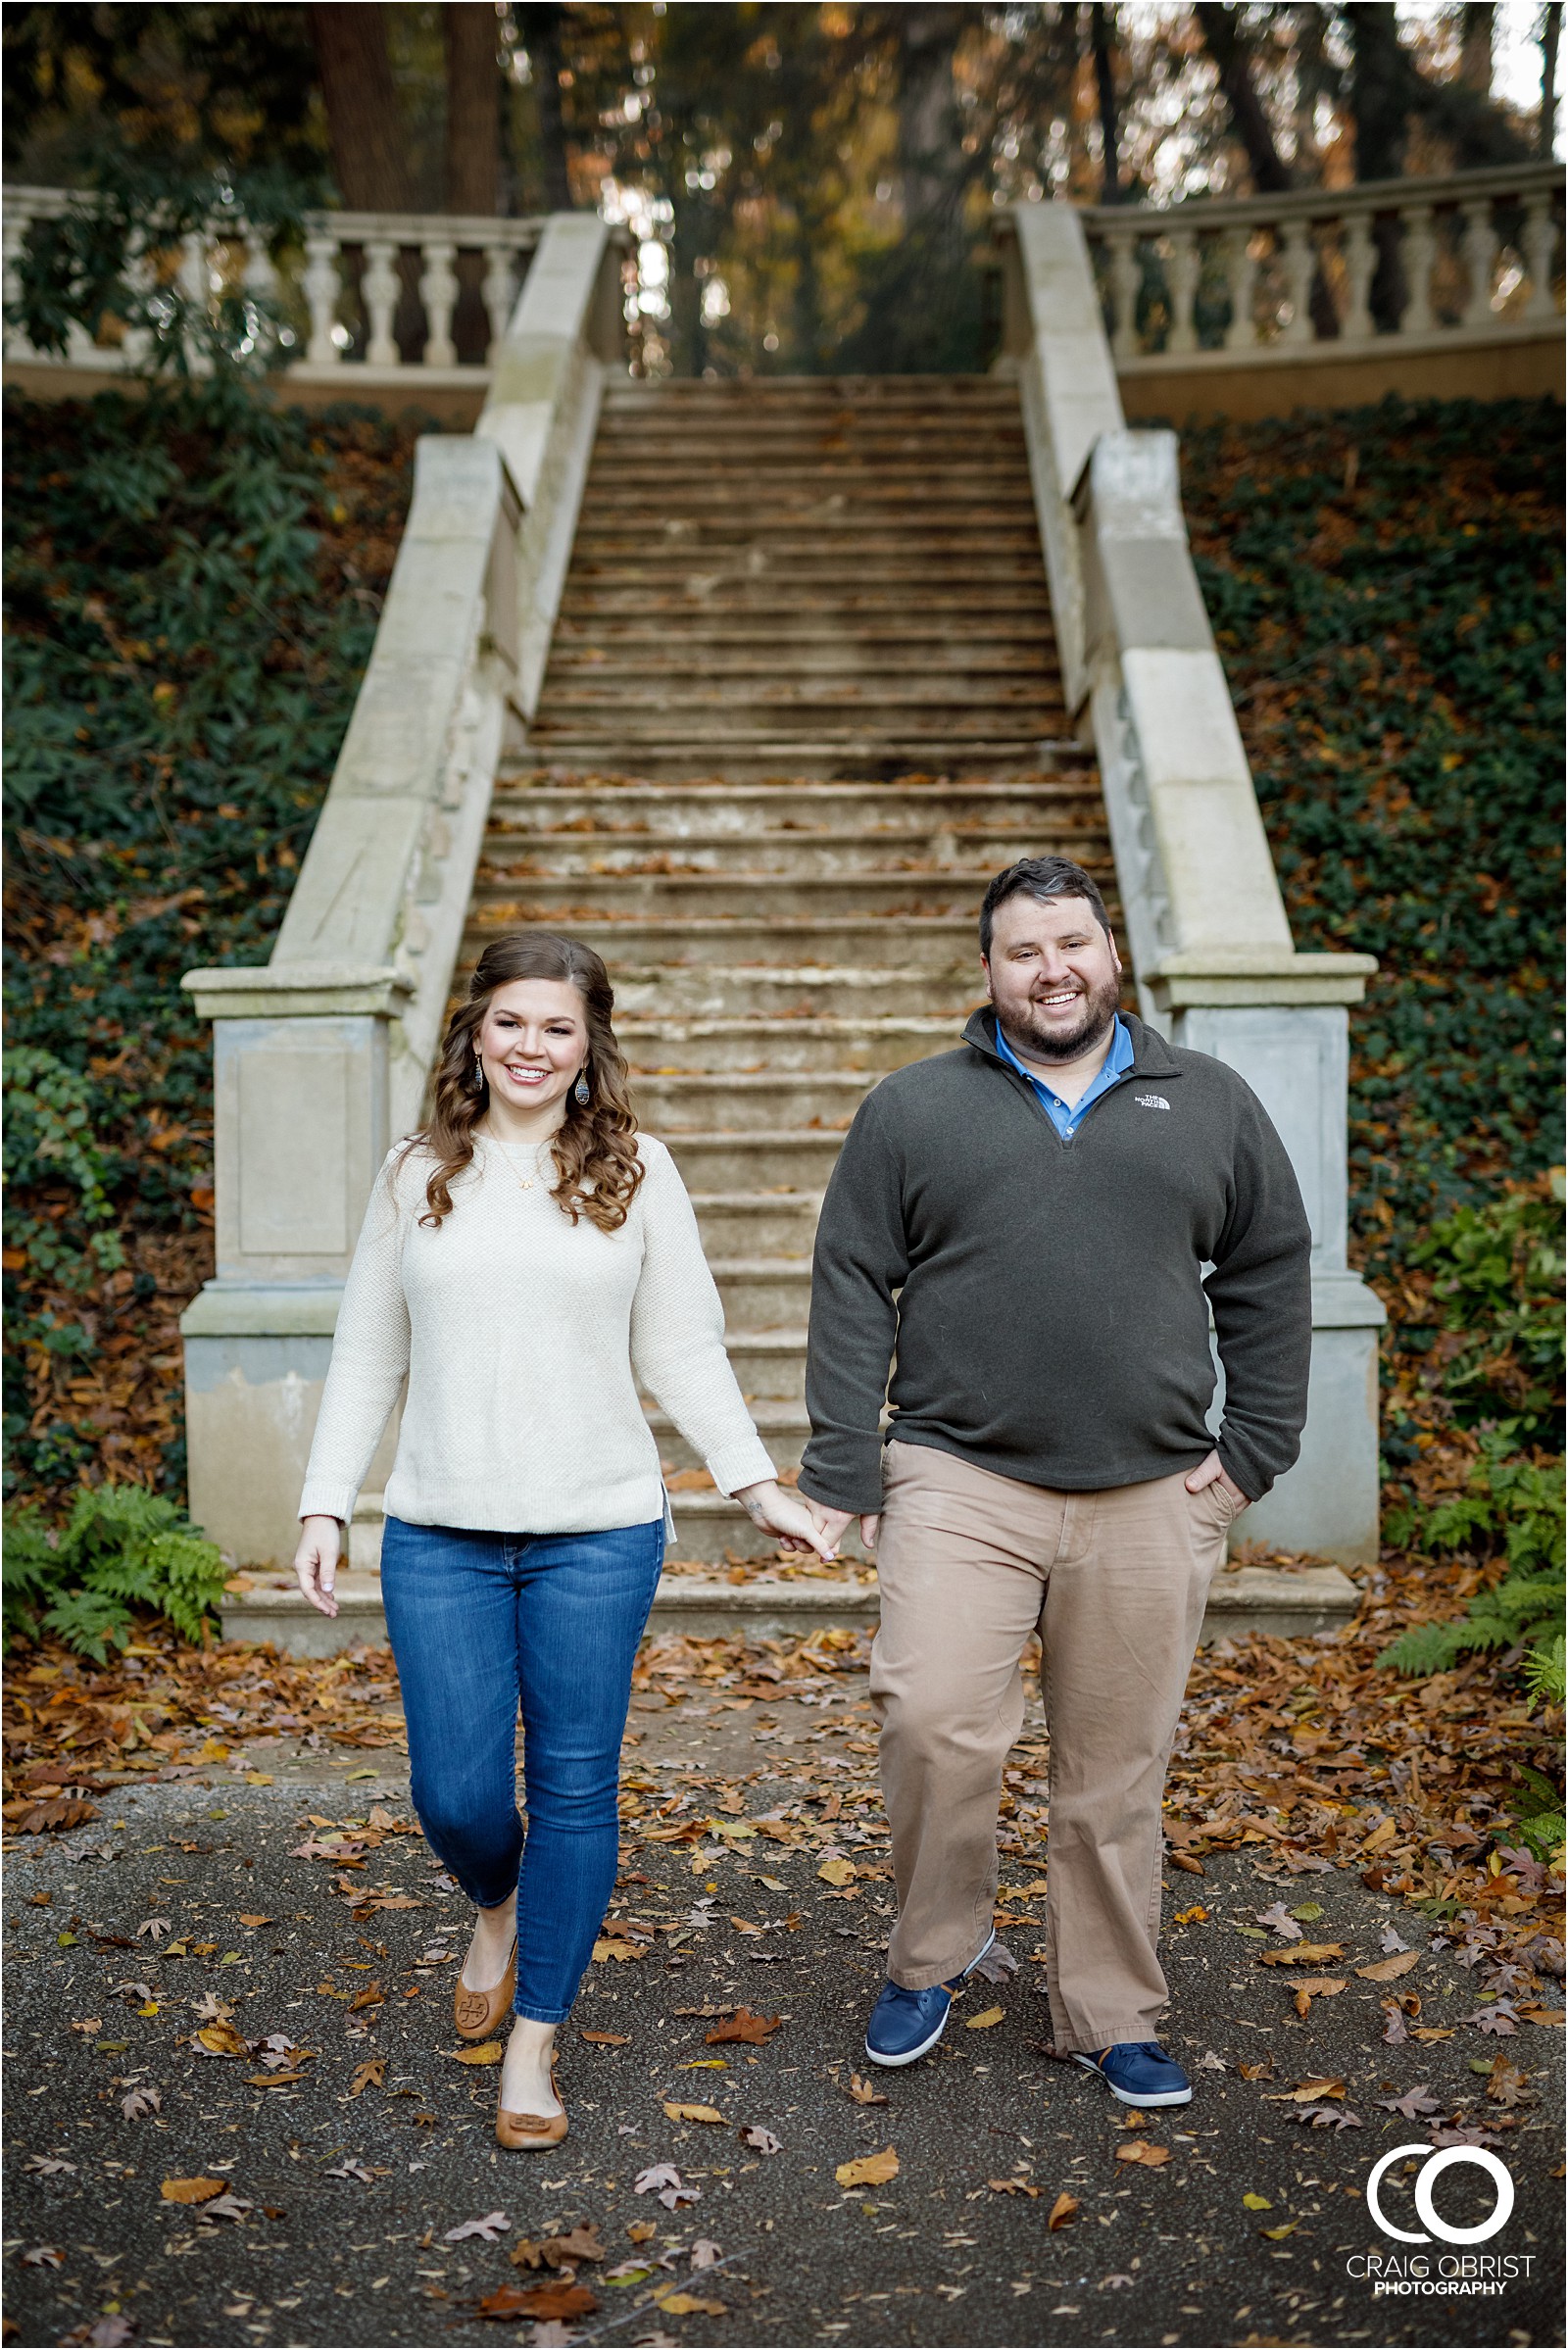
{"x":1425,"y":2178}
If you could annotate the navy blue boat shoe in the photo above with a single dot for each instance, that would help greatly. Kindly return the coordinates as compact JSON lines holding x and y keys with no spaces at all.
{"x":906,"y":2025}
{"x":1139,"y":2073}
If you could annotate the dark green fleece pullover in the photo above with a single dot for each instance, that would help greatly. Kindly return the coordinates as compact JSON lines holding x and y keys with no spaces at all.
{"x":1045,"y":1298}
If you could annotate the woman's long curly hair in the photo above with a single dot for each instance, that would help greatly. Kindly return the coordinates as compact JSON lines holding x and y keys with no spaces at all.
{"x":596,"y":1150}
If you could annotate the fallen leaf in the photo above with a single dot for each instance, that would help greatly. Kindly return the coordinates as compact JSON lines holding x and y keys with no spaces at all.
{"x":1304,"y":1954}
{"x":706,"y":2254}
{"x":349,"y":2169}
{"x":1278,"y":1921}
{"x":156,"y":1927}
{"x":1388,"y":1970}
{"x":1305,"y":2092}
{"x":607,"y":2040}
{"x":1062,"y":2212}
{"x":1505,"y":2084}
{"x":688,"y":2305}
{"x":754,"y":2032}
{"x":137,"y":2103}
{"x":862,"y":2091}
{"x":57,"y":1811}
{"x":1012,"y":2186}
{"x":43,"y":2256}
{"x":984,"y":2021}
{"x":227,"y":2207}
{"x":89,"y":2025}
{"x":838,"y":1872}
{"x":869,"y":2170}
{"x":1197,"y":1915}
{"x":219,"y":2039}
{"x":192,"y":2190}
{"x":1140,"y":2150}
{"x":1412,"y":2105}
{"x":372,"y":1995}
{"x":1275,"y":2234}
{"x":250,"y":1918}
{"x":371,"y":2075}
{"x":1543,"y":2015}
{"x":492,"y":2227}
{"x":640,"y":2232}
{"x":48,"y":2166}
{"x":619,"y":1950}
{"x":691,"y":2112}
{"x":278,"y":2081}
{"x":488,"y":2052}
{"x":764,"y":2140}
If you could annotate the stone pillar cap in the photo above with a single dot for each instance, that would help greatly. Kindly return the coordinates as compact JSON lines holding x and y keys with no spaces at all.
{"x":279,"y":991}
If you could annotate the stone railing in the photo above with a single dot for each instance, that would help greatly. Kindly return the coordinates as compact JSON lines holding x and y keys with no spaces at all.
{"x":365,"y":298}
{"x":322,"y":1055}
{"x":1419,"y":264}
{"x":1209,"y":938}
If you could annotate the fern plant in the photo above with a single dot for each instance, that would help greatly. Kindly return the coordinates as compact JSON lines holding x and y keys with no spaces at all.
{"x":122,"y":1548}
{"x":1512,"y":1505}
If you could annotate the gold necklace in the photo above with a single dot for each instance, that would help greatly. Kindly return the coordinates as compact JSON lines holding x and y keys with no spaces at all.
{"x":524,"y":1182}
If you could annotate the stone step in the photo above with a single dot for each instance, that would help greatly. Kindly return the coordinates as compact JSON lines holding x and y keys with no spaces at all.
{"x":870,"y":761}
{"x":664,"y":1045}
{"x":512,"y":853}
{"x":762,"y":1293}
{"x":724,"y":640}
{"x":843,"y":537}
{"x":758,"y":1159}
{"x":786,"y":574}
{"x":754,"y":896}
{"x":783,"y":1427}
{"x":617,"y":806}
{"x":925,"y":666}
{"x":950,"y":700}
{"x":1289,"y":1604}
{"x":819,"y":990}
{"x":965,"y":611}
{"x":749,"y":1224}
{"x":741,"y":1101}
{"x":895,"y":479}
{"x":770,"y":1363}
{"x":946,"y":943}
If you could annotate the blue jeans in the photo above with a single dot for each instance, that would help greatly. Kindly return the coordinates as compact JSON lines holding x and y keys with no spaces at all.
{"x":479,"y":1622}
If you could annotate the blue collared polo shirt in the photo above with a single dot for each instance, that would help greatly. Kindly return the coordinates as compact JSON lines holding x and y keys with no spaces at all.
{"x":1118,"y":1061}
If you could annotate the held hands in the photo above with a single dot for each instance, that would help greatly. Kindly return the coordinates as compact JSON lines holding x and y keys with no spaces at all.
{"x":799,"y":1523}
{"x":832,"y":1522}
{"x":316,"y":1562}
{"x":1206,"y":1472}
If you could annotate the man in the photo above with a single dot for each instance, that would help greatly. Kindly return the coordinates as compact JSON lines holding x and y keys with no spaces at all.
{"x":1027,"y":1224}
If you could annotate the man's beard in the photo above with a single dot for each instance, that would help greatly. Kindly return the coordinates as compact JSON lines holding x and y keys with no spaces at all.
{"x":1028,"y":1036}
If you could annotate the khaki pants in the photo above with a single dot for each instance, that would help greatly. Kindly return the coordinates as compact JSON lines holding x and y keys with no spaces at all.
{"x":969,"y":1565}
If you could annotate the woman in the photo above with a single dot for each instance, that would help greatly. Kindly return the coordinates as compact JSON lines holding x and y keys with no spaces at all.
{"x":527,"y":1262}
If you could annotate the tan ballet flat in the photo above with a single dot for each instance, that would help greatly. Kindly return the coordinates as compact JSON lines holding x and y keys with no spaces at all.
{"x":477,"y":2014}
{"x":531,"y":2133}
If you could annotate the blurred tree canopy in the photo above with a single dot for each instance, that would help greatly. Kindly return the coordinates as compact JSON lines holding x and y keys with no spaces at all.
{"x":809,"y":181}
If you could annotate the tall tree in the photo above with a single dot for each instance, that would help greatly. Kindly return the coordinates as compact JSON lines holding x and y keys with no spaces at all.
{"x":1223,"y":40}
{"x":361,"y":112}
{"x":1550,"y":37}
{"x":1101,"y":35}
{"x":1476,"y":28}
{"x":473,"y":106}
{"x":542,"y":28}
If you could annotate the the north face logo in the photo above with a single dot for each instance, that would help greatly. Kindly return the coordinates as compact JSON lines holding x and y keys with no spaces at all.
{"x":1153,"y":1100}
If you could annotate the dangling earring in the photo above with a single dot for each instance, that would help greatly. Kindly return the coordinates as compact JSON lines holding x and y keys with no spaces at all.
{"x":579,"y":1091}
{"x":476,"y":1076}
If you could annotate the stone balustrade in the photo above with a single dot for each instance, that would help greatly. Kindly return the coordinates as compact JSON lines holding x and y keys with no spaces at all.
{"x":365,"y":298}
{"x":1420,"y":264}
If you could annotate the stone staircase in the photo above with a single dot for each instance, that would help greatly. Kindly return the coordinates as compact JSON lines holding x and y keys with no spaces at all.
{"x":802,"y":702}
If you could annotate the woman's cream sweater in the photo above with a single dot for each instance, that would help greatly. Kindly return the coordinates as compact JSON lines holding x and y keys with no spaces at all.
{"x":525,"y":1340}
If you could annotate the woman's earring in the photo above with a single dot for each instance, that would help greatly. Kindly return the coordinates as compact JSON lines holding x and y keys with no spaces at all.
{"x":476,"y":1076}
{"x":579,"y":1091}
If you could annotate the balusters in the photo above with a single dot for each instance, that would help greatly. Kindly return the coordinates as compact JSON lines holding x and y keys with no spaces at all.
{"x":323,"y":284}
{"x":438,"y":290}
{"x":18,"y":221}
{"x":142,"y":278}
{"x":1478,"y":245}
{"x":1539,"y":242}
{"x":1123,"y":290}
{"x":379,"y":289}
{"x":1182,"y":279}
{"x":1241,"y":278}
{"x":497,"y":293}
{"x":1420,"y":251}
{"x":1298,"y":261}
{"x":1360,"y":267}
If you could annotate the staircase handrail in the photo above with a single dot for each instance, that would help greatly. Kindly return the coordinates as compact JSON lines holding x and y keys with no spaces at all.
{"x":322,"y":1055}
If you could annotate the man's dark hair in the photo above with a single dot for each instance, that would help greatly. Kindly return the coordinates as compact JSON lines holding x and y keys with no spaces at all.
{"x":1044,"y":878}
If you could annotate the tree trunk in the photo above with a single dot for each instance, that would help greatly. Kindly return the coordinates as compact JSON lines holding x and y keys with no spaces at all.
{"x":1271,"y":174}
{"x":541,"y":31}
{"x":1380,"y":111}
{"x":1551,"y":36}
{"x":1101,"y":33}
{"x":1475,"y":47}
{"x":474,"y":107}
{"x":368,"y":157}
{"x":930,"y":154}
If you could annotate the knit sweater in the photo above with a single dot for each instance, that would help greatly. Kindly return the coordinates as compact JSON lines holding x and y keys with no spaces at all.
{"x":1047,"y":1300}
{"x":525,"y":1339}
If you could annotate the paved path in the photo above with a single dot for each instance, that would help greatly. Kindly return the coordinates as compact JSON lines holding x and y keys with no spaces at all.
{"x":350,"y":2197}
